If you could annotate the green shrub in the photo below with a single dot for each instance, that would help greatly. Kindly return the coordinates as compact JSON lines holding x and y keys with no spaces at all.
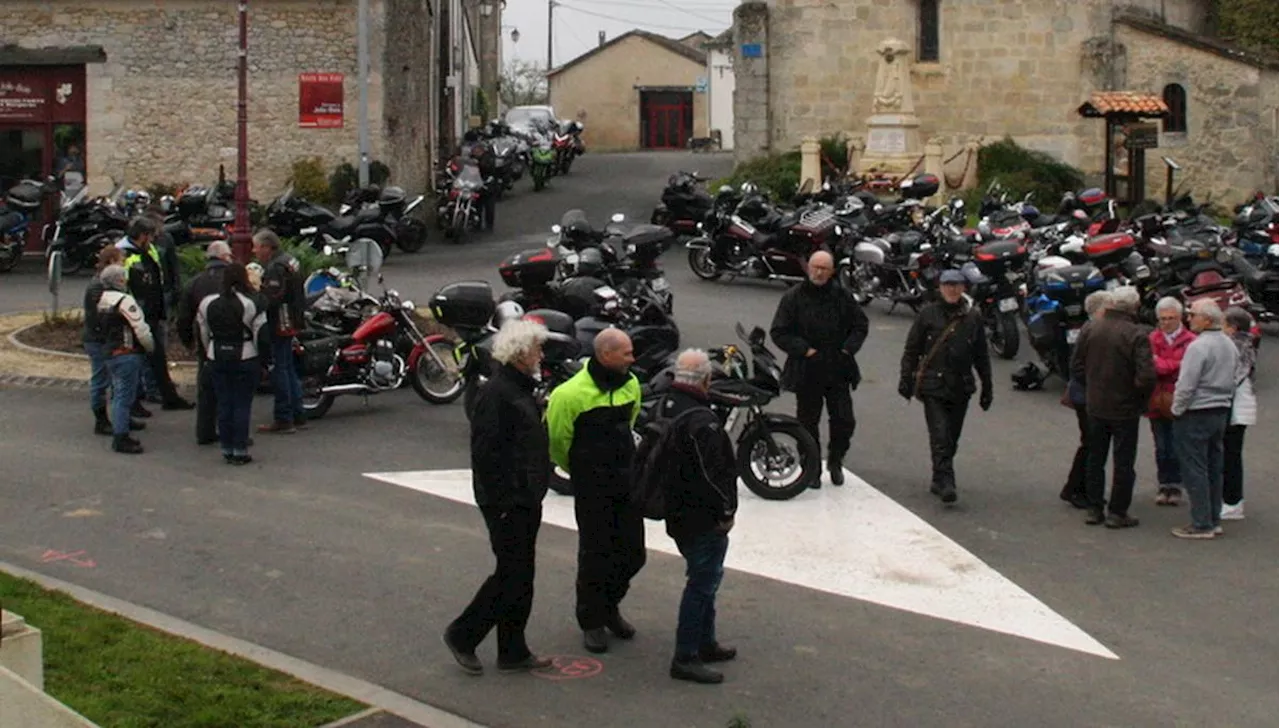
{"x":379,"y":173}
{"x":308,"y":180}
{"x":1022,"y":170}
{"x":346,"y":177}
{"x":191,"y":261}
{"x":310,"y":260}
{"x":777,"y":174}
{"x":835,"y":155}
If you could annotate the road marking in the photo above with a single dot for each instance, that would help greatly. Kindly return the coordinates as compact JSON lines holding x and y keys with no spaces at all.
{"x":852,"y":541}
{"x":73,"y":557}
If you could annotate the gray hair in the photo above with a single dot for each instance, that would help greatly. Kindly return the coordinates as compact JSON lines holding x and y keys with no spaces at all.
{"x":114,"y":276}
{"x":1126,"y":299}
{"x":218,"y":249}
{"x":267,"y":238}
{"x":517,"y":338}
{"x":1169,"y":303}
{"x":1097,"y":301}
{"x":693,"y":366}
{"x":1239,"y":319}
{"x":1210,"y":310}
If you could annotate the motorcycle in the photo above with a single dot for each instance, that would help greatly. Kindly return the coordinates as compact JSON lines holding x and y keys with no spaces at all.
{"x":1055,"y":312}
{"x":462,"y":210}
{"x":83,"y":227}
{"x":542,"y":163}
{"x":997,"y":290}
{"x":684,"y":204}
{"x":729,"y":245}
{"x":21,"y":203}
{"x":739,"y":393}
{"x":288,"y":215}
{"x":366,"y":362}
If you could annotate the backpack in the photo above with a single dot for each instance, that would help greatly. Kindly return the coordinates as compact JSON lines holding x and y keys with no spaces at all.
{"x":653,"y":467}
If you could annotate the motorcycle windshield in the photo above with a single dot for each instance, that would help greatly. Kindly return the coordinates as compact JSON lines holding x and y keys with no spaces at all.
{"x":468,"y":178}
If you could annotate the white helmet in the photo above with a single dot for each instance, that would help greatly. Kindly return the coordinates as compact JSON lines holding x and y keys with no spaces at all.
{"x":507,"y":311}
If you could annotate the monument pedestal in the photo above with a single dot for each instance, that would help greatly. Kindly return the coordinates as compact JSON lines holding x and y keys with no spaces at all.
{"x":893,"y":144}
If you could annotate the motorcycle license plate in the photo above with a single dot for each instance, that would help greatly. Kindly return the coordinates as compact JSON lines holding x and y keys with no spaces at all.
{"x":1072,"y":336}
{"x":1008,"y":305}
{"x":660,"y":284}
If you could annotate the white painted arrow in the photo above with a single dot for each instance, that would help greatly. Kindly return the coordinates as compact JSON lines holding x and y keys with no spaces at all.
{"x":853,"y":541}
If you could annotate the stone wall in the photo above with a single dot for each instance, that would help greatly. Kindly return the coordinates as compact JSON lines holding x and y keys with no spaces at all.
{"x":604,"y":88}
{"x":1229,"y":149}
{"x":409,"y":76}
{"x":163,"y":106}
{"x":752,"y":111}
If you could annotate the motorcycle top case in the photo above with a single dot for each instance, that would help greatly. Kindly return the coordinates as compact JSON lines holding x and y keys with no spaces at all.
{"x":193,"y":201}
{"x":995,"y":256}
{"x":1109,"y":249}
{"x":530,"y":268}
{"x":390,"y":197}
{"x":649,"y":240}
{"x":1072,"y":282}
{"x":465,"y":303}
{"x":920,"y":187}
{"x":24,"y":196}
{"x":562,"y":334}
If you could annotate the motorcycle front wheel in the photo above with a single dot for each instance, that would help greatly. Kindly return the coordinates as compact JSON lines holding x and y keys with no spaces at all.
{"x":856,"y":280}
{"x":779,"y":460}
{"x":702,"y":266}
{"x":411,"y":235}
{"x":1003,"y":333}
{"x":436,"y":385}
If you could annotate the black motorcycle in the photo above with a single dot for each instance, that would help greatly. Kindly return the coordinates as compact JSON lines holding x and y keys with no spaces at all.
{"x":288,"y":215}
{"x":684,"y":204}
{"x":461,"y":207}
{"x":85,"y":226}
{"x":997,"y":277}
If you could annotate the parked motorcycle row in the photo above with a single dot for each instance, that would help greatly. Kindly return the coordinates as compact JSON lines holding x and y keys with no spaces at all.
{"x":1026,"y":269}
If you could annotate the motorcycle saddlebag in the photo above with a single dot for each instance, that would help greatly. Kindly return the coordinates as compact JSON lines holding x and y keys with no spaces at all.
{"x":316,"y":354}
{"x":530,"y":268}
{"x":468,"y":304}
{"x":24,"y":196}
{"x":648,"y":240}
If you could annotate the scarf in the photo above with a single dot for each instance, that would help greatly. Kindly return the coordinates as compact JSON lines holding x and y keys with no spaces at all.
{"x":1248,"y":355}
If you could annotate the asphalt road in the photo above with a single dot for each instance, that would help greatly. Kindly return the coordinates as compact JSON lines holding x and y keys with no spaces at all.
{"x":302,"y":554}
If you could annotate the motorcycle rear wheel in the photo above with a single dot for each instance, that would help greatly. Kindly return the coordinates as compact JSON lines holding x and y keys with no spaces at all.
{"x":413,"y":236}
{"x":1003,"y":333}
{"x":426,"y":377}
{"x":10,"y":254}
{"x":314,"y":404}
{"x":802,"y":464}
{"x":702,"y":266}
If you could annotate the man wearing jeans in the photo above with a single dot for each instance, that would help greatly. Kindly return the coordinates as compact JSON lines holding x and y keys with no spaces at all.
{"x":1202,"y":405}
{"x":282,"y":287}
{"x":1113,"y":362}
{"x":699,"y":506}
{"x":126,"y":339}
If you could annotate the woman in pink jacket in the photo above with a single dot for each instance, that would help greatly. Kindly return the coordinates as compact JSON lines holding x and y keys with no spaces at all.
{"x":1168,"y":343}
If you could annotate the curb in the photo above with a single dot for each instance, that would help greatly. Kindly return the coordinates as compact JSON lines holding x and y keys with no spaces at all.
{"x":28,"y":381}
{"x":333,"y":681}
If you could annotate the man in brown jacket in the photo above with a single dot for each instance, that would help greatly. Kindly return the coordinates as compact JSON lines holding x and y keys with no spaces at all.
{"x":1112,"y":361}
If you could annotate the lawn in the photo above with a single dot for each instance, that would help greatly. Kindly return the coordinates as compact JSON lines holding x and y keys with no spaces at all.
{"x":120,"y":674}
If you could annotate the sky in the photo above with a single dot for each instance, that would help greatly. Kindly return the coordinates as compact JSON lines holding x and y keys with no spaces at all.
{"x":578,"y":22}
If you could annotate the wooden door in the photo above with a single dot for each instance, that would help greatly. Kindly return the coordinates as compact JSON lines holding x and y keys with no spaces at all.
{"x":666,"y":119}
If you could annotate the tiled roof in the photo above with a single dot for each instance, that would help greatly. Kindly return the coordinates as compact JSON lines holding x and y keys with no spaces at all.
{"x":1102,"y":103}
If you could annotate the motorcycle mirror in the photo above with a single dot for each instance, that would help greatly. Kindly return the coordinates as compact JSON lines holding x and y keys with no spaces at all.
{"x":379,"y":279}
{"x":618,"y":217}
{"x":958,"y":203}
{"x":328,"y":250}
{"x":556,"y":229}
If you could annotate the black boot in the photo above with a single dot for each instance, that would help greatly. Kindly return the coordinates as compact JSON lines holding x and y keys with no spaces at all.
{"x":101,"y":424}
{"x":127,"y":445}
{"x":693,"y":670}
{"x":595,"y":640}
{"x":836,"y":467}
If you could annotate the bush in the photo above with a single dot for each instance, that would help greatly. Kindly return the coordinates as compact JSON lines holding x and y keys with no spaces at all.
{"x":310,"y":260}
{"x":835,"y":155}
{"x":191,"y":261}
{"x":778,"y":174}
{"x":345,"y":178}
{"x":1022,"y":170}
{"x":308,"y":180}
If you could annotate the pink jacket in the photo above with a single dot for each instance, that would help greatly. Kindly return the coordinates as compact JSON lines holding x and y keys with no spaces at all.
{"x":1168,"y":359}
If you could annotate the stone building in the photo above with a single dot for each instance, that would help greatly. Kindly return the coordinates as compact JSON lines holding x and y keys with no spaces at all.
{"x":640,"y":90}
{"x":147,"y":89}
{"x":1017,"y":67}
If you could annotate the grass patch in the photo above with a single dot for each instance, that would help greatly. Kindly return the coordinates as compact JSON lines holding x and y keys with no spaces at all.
{"x":120,"y":674}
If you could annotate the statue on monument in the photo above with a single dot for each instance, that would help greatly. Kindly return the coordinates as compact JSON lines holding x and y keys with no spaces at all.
{"x":893,"y":80}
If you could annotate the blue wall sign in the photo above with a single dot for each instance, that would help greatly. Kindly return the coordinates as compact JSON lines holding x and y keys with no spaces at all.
{"x":752,"y":50}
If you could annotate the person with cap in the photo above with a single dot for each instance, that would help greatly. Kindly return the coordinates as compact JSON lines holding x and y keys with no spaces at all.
{"x":821,"y":327}
{"x":947,"y":344}
{"x":207,"y":283}
{"x":126,"y":339}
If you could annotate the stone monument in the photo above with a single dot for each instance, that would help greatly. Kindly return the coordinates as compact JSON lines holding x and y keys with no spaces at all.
{"x":893,"y":131}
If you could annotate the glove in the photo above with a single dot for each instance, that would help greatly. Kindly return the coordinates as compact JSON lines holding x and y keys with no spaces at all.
{"x":904,"y":389}
{"x":984,"y":401}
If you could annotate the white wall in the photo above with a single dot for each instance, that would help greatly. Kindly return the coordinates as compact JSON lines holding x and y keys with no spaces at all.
{"x":720,"y":85}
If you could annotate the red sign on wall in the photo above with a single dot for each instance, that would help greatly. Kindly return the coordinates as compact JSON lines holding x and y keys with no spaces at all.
{"x":24,"y":99}
{"x":320,"y":100}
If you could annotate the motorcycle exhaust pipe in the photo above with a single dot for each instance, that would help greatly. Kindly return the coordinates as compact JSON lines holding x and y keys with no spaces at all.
{"x":348,"y":389}
{"x":788,"y":279}
{"x":698,"y":244}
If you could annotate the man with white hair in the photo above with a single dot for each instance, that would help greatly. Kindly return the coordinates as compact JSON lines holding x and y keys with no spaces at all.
{"x":509,"y":474}
{"x":1202,"y":405}
{"x":700,"y":499}
{"x":1112,"y":361}
{"x":127,"y":340}
{"x":207,"y":283}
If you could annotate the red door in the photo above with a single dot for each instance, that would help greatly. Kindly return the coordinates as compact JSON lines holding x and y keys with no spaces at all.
{"x":666,"y":119}
{"x":42,"y":132}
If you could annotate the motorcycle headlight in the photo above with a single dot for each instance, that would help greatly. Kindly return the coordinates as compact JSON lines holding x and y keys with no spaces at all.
{"x":328,"y":250}
{"x":408,"y":306}
{"x":393,"y":293}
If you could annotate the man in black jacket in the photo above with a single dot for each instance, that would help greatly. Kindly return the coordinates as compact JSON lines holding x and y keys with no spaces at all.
{"x":510,"y":468}
{"x":282,"y":287}
{"x":145,"y":267}
{"x":699,"y":506}
{"x":169,"y":263}
{"x":946,"y":345}
{"x":207,"y":283}
{"x":821,"y":328}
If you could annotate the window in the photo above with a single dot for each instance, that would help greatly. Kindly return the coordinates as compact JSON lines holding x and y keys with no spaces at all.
{"x":1175,"y":97}
{"x":928,"y":32}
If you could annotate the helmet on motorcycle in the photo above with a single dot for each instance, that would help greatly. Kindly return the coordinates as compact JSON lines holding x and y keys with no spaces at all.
{"x":144,"y":198}
{"x":590,"y":263}
{"x":507,"y":311}
{"x":748,"y":188}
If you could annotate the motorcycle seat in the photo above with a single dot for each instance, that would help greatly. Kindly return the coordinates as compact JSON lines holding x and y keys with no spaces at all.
{"x":342,"y":226}
{"x":1209,"y":287}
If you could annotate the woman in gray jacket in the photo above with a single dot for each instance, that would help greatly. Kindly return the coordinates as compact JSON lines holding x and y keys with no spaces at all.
{"x":1244,"y":412}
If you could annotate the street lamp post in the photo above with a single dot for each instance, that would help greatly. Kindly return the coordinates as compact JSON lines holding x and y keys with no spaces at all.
{"x":242,"y":238}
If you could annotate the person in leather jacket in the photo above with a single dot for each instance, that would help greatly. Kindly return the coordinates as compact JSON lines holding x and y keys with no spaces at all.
{"x":947,"y":344}
{"x":282,"y":287}
{"x":821,"y":328}
{"x":511,"y":466}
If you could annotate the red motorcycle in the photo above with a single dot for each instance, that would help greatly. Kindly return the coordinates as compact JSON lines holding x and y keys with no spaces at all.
{"x":371,"y":360}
